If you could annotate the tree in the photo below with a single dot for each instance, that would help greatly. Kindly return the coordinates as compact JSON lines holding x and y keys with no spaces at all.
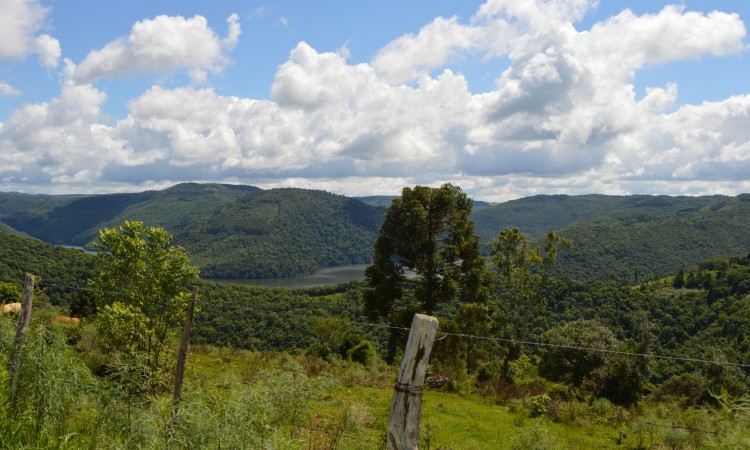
{"x":523,"y":272}
{"x":576,"y":351}
{"x":141,"y":273}
{"x":428,"y":232}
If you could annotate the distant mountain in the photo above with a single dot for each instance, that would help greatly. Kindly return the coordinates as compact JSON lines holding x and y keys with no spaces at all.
{"x":77,"y":221}
{"x":230,"y":231}
{"x":385,"y":201}
{"x":536,"y":215}
{"x":11,"y":202}
{"x":378,"y":200}
{"x":640,"y":246}
{"x":59,"y":270}
{"x":245,"y":232}
{"x":282,"y":233}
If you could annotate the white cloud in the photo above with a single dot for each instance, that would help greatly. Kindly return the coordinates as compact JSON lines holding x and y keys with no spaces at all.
{"x":564,"y":116}
{"x":410,"y":56}
{"x":59,"y":141}
{"x":8,"y":90}
{"x":159,"y":44}
{"x":19,"y":22}
{"x":48,"y":49}
{"x":234,"y":32}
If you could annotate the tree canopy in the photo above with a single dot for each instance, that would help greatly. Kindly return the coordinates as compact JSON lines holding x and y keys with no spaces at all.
{"x":141,"y":285}
{"x":427,"y":232}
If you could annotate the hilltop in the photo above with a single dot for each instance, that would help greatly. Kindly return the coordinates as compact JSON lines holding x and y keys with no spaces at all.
{"x":237,"y":231}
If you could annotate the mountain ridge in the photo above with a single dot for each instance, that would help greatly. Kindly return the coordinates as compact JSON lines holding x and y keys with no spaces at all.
{"x":240,"y":231}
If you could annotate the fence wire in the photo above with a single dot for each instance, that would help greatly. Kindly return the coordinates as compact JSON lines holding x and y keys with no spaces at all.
{"x":496,"y":339}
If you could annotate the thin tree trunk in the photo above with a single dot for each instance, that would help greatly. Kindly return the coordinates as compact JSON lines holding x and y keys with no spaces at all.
{"x":182,"y":355}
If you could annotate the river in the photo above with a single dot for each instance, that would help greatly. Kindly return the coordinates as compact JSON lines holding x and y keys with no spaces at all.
{"x":323,"y":277}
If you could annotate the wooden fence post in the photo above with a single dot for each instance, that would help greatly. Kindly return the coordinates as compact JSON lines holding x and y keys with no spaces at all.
{"x":14,"y":361}
{"x":406,"y":406}
{"x":182,"y":355}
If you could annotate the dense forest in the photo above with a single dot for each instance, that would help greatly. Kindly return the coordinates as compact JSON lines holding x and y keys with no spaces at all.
{"x":235,"y":231}
{"x":618,"y":348}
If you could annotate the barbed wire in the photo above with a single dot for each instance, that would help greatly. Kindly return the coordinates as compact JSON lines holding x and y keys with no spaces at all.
{"x":443,"y":335}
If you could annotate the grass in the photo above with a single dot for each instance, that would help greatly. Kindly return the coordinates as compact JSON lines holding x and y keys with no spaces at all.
{"x":248,"y":399}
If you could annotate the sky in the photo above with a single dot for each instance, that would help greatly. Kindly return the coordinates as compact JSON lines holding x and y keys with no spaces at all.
{"x":505,"y":98}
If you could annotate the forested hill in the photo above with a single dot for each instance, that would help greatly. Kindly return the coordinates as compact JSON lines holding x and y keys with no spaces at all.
{"x":637,"y":247}
{"x":57,"y":267}
{"x":230,"y":231}
{"x":77,"y":220}
{"x":281,"y":233}
{"x":244,"y":232}
{"x":536,"y":215}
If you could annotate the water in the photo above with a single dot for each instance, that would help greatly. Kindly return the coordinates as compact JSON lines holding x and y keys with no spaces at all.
{"x":76,"y":247}
{"x":323,"y":277}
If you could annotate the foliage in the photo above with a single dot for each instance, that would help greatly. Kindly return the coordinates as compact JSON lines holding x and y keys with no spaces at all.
{"x":10,"y":293}
{"x":140,"y":288}
{"x":522,"y":271}
{"x":281,"y":233}
{"x":563,"y":358}
{"x":634,"y":248}
{"x":426,"y":231}
{"x":56,"y":269}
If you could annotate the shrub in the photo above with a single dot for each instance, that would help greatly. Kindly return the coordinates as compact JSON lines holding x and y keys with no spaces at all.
{"x":363,"y":353}
{"x":539,"y":405}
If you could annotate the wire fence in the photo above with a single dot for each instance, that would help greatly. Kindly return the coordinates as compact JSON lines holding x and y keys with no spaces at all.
{"x":441,"y":335}
{"x":336,"y":434}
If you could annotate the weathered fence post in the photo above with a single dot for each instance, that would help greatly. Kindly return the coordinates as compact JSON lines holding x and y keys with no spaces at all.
{"x":406,"y":406}
{"x":14,"y":361}
{"x":182,"y":355}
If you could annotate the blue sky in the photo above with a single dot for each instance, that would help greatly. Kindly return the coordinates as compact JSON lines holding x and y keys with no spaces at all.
{"x":506,"y":98}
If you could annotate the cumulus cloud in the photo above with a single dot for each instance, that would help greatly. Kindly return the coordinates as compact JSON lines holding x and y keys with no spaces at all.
{"x":162,"y":43}
{"x":48,"y":49}
{"x":61,"y":141}
{"x":8,"y":90}
{"x":564,"y":116}
{"x":19,"y":22}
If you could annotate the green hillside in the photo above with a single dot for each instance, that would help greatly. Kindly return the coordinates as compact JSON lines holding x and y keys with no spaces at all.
{"x":536,"y":215}
{"x":77,"y":221}
{"x":638,"y":247}
{"x":12,"y":202}
{"x":281,"y":233}
{"x":60,"y":267}
{"x":231,"y":231}
{"x":244,"y":232}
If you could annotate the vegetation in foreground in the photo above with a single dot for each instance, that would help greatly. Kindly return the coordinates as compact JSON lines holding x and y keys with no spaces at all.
{"x":525,"y":360}
{"x":249,"y":399}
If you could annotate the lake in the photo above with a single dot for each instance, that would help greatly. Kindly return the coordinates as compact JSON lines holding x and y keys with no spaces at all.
{"x":323,"y":277}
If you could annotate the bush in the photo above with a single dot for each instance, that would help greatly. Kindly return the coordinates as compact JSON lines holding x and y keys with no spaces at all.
{"x":688,"y":389}
{"x":363,"y":353}
{"x":535,"y":437}
{"x":539,"y":405}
